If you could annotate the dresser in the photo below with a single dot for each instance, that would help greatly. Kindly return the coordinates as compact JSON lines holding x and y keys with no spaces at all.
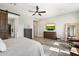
{"x":50,"y":35}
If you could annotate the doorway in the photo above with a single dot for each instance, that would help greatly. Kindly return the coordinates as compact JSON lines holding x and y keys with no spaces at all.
{"x":71,"y":31}
{"x":11,"y":27}
{"x":35,"y":26}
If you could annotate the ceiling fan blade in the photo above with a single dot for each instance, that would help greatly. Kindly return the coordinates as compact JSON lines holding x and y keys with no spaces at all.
{"x":33,"y":14}
{"x":37,"y":8}
{"x":42,"y":12}
{"x":39,"y":14}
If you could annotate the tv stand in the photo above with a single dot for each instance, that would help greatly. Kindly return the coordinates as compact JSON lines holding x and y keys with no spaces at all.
{"x":50,"y":35}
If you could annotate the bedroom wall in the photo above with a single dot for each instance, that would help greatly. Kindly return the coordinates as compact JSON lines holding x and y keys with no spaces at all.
{"x":60,"y":21}
{"x":24,"y":21}
{"x":18,"y":28}
{"x":27,"y":22}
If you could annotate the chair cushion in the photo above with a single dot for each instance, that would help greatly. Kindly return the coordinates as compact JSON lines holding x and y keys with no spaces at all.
{"x":75,"y":44}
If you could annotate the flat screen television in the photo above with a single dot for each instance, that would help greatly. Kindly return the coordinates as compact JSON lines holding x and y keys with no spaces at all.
{"x":50,"y":27}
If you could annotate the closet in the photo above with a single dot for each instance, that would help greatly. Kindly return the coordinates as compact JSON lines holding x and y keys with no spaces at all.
{"x":5,"y":28}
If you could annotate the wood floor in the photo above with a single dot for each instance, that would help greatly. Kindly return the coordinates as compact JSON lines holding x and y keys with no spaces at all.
{"x":54,"y":47}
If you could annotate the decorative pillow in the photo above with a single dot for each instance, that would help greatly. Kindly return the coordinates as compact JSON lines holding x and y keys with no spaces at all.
{"x":2,"y":45}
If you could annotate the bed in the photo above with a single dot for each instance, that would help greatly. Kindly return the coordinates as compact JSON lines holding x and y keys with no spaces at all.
{"x":22,"y":47}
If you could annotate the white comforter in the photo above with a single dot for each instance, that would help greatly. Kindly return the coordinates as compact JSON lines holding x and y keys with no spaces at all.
{"x":22,"y":47}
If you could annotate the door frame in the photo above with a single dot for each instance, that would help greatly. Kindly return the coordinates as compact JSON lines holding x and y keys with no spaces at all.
{"x":34,"y":28}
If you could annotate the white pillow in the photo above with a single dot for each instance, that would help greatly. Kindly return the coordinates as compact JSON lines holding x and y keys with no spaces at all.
{"x":2,"y":45}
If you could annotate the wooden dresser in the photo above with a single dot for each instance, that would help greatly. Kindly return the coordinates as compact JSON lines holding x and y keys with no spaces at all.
{"x":50,"y":35}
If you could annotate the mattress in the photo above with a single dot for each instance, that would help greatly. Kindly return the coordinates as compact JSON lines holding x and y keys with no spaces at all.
{"x":22,"y":47}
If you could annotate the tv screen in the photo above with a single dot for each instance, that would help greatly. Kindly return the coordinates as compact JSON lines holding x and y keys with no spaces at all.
{"x":50,"y":27}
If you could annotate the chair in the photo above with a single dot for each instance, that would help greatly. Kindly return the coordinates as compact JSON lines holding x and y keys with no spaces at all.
{"x":74,"y":51}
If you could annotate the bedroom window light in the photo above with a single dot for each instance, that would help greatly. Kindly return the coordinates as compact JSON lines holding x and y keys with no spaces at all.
{"x":56,"y":43}
{"x":64,"y":51}
{"x":54,"y":49}
{"x":58,"y":50}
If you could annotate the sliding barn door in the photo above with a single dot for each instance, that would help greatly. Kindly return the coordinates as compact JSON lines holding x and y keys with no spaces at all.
{"x":3,"y":24}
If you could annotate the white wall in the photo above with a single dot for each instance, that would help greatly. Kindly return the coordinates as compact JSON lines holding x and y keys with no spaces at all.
{"x":23,"y":21}
{"x":27,"y":22}
{"x":59,"y":21}
{"x":18,"y":28}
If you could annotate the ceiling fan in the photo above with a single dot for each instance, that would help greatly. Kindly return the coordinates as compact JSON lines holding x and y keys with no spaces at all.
{"x":37,"y":11}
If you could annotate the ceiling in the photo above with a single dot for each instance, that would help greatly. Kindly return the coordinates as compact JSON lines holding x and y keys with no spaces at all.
{"x":52,"y":9}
